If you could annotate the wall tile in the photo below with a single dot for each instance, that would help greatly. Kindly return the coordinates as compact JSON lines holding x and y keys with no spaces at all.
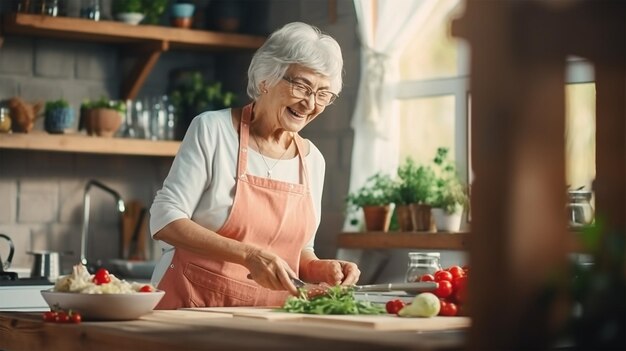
{"x":38,"y":201}
{"x":8,"y":201}
{"x":8,"y":87}
{"x":54,"y":58}
{"x":20,"y":235}
{"x":16,"y":56}
{"x":95,"y":62}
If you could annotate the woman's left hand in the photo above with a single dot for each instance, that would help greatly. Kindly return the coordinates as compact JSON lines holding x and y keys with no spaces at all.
{"x":334,"y":272}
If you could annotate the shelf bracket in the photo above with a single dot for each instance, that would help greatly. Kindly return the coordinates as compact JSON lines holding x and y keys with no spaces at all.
{"x":149,"y":55}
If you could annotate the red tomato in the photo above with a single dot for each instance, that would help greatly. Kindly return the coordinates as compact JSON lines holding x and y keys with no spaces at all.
{"x":394,"y":306}
{"x":146,"y":288}
{"x":459,"y":287}
{"x":62,"y":317}
{"x":443,"y":275}
{"x":50,"y":316}
{"x":101,"y":277}
{"x":427,"y":278}
{"x":75,"y":318}
{"x":444,"y":289}
{"x":448,"y":309}
{"x":456,"y":271}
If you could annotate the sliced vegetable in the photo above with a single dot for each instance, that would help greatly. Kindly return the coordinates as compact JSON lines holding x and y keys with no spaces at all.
{"x":336,"y":300}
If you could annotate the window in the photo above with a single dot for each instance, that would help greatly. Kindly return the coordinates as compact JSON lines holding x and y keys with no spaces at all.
{"x":434,"y":95}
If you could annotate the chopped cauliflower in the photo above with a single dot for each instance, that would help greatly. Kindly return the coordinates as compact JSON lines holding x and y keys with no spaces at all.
{"x":80,"y":281}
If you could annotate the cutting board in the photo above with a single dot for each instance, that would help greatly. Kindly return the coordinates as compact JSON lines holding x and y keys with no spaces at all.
{"x":377,"y":322}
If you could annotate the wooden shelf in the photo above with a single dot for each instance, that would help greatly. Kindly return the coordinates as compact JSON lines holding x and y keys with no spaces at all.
{"x":417,"y":240}
{"x":80,"y":143}
{"x":147,"y":41}
{"x":403,"y":240}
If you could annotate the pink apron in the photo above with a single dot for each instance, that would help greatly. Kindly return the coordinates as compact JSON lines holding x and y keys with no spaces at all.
{"x":270,"y":214}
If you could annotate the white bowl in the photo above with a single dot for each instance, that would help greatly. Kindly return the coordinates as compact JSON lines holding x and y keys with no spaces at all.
{"x":130,"y":17}
{"x":112,"y":307}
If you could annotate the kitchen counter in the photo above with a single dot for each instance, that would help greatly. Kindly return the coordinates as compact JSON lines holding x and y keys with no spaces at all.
{"x":220,"y":330}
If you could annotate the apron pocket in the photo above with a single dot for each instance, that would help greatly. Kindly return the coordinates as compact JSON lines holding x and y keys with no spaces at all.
{"x":209,"y":289}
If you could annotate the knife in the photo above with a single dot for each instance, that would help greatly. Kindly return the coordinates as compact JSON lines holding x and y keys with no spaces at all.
{"x":415,"y":287}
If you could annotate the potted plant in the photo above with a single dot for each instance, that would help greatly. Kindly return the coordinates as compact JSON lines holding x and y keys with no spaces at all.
{"x":450,"y":196}
{"x":192,"y":95}
{"x":374,"y":198}
{"x":58,"y":116}
{"x":102,"y":117}
{"x":128,"y":11}
{"x":414,"y":187}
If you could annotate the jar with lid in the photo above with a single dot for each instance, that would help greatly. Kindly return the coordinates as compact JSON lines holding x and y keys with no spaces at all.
{"x":5,"y":120}
{"x":579,"y":210}
{"x":421,"y":263}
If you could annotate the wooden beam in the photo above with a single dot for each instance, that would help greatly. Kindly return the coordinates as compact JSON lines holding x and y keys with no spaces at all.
{"x":150,"y":54}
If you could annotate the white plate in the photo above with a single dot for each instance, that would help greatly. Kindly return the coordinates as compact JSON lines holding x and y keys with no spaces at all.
{"x":111,"y":307}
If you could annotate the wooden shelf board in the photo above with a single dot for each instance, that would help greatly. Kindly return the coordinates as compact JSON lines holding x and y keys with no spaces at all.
{"x":118,"y":32}
{"x":403,"y":240}
{"x":80,"y":143}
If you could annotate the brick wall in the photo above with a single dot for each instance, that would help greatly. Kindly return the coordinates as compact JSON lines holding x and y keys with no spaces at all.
{"x":41,"y":193}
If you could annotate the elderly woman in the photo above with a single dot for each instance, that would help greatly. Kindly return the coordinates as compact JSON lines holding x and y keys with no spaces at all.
{"x":241,"y":204}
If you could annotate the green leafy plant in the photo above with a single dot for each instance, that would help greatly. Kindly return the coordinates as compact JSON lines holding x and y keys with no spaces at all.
{"x":378,"y":190}
{"x":103,"y":102}
{"x":153,"y":9}
{"x":56,"y":104}
{"x":193,"y":95}
{"x":335,"y":300}
{"x":414,"y":184}
{"x":128,"y":6}
{"x":449,"y":193}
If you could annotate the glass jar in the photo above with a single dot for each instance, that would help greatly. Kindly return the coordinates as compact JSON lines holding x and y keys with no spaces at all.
{"x":421,"y":263}
{"x":579,"y":210}
{"x":5,"y":120}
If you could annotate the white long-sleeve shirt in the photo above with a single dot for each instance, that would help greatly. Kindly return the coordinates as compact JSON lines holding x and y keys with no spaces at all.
{"x":201,"y":182}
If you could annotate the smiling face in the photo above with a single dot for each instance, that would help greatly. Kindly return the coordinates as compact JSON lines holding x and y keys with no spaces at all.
{"x":287,"y":111}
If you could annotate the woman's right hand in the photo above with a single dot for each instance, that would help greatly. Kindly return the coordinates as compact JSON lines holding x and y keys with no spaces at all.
{"x":270,"y":271}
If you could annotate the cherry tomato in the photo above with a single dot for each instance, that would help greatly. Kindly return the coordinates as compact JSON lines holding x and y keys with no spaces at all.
{"x":50,"y":316}
{"x":448,"y":309}
{"x":444,"y":289}
{"x":146,"y":288}
{"x":394,"y":306}
{"x":456,"y":271}
{"x":62,"y":317}
{"x":443,"y":275}
{"x":101,"y":277}
{"x":75,"y":318}
{"x":459,"y":287}
{"x":427,"y":278}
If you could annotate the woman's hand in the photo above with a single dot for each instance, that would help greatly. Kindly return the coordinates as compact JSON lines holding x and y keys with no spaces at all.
{"x":270,"y":271}
{"x":334,"y":272}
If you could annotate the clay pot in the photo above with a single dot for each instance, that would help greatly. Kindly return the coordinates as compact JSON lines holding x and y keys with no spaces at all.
{"x":405,"y":218}
{"x":422,"y":218}
{"x":102,"y":122}
{"x":377,"y":218}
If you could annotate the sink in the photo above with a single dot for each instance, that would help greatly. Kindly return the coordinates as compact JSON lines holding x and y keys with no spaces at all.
{"x":126,"y":269}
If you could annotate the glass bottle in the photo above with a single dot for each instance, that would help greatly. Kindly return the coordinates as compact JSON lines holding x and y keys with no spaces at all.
{"x":5,"y":120}
{"x":421,"y":263}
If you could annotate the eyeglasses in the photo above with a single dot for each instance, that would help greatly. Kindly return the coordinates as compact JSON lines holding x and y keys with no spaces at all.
{"x":303,"y":91}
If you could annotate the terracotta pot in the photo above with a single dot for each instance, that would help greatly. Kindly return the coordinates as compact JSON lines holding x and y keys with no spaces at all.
{"x":377,"y":218}
{"x":405,"y":219}
{"x":102,"y":122}
{"x":422,"y":218}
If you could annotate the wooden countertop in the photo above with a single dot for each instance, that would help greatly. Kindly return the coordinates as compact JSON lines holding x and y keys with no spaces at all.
{"x":195,"y":330}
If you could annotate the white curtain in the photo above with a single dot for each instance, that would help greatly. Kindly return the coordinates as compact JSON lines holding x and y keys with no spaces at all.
{"x":376,"y":121}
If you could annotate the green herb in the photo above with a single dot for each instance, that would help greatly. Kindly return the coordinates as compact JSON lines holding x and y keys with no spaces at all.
{"x":337,"y":300}
{"x":103,"y":102}
{"x":56,"y":104}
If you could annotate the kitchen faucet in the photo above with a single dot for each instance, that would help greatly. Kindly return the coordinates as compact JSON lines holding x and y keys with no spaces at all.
{"x":119,"y":206}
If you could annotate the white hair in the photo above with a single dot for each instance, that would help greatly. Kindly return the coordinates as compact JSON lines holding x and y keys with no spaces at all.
{"x":295,"y":43}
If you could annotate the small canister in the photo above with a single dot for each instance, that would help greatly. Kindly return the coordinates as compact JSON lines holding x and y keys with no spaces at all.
{"x":421,"y":263}
{"x":5,"y":120}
